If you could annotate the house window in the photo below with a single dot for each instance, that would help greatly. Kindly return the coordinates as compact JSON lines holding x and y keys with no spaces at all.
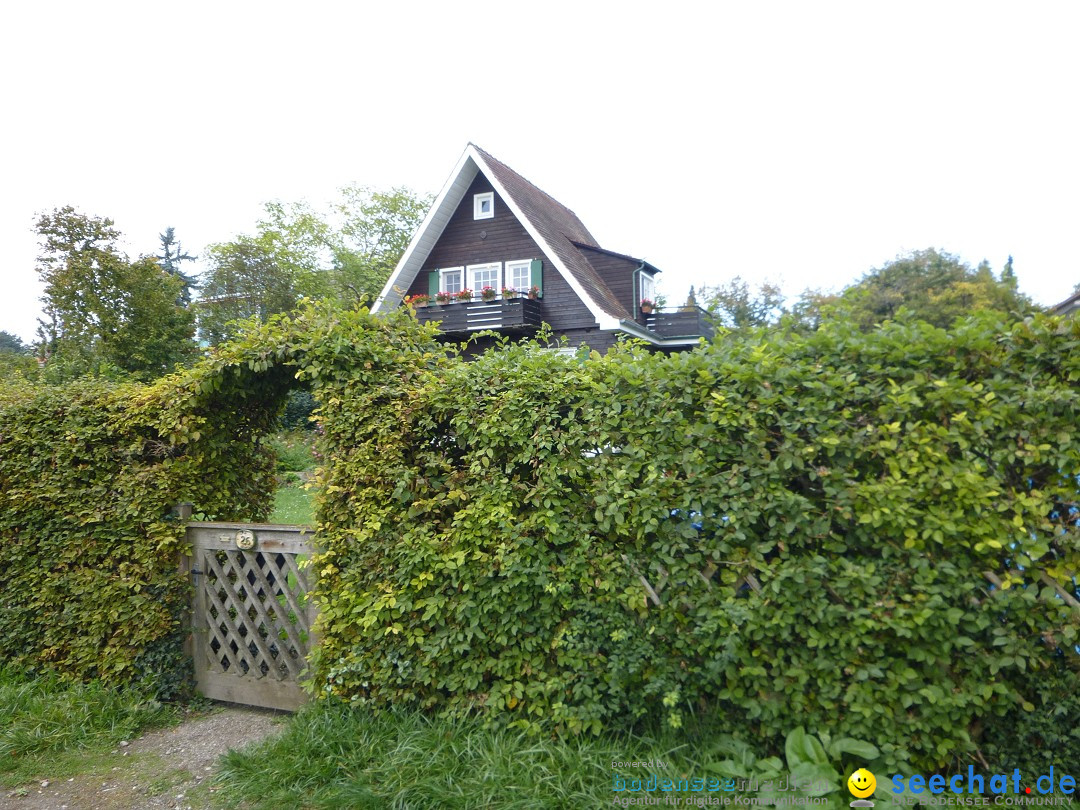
{"x":648,"y":287}
{"x":483,"y":205}
{"x":450,"y":279}
{"x":518,"y":275}
{"x":484,"y":275}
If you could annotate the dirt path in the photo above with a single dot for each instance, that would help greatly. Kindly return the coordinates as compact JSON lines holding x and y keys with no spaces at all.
{"x":170,"y":769}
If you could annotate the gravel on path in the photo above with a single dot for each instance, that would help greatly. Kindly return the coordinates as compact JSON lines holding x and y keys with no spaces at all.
{"x":156,"y":771}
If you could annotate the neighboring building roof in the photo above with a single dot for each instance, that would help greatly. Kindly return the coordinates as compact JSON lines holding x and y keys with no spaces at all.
{"x":1070,"y":304}
{"x":553,"y":226}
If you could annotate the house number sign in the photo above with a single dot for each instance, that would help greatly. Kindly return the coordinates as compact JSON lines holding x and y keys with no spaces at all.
{"x":245,"y":540}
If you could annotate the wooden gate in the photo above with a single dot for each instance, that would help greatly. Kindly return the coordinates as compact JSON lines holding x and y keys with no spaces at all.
{"x":252,"y":615}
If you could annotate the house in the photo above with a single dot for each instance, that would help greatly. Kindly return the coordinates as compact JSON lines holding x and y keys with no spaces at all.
{"x":491,"y":228}
{"x":1068,"y":306}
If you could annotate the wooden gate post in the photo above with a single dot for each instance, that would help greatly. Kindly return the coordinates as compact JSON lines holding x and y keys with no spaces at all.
{"x":183,"y":512}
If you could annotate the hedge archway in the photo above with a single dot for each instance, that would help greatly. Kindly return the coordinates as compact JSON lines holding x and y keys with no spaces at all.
{"x":89,"y":580}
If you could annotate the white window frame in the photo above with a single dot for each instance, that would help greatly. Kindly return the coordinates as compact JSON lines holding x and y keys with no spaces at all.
{"x":478,"y":201}
{"x":517,"y":265}
{"x":443,"y":271}
{"x":647,"y":285}
{"x":473,"y":269}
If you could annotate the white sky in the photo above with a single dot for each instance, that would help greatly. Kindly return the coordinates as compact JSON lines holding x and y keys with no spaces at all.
{"x":804,"y":142}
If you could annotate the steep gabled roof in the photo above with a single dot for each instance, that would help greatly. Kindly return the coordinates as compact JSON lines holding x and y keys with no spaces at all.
{"x":561,"y":229}
{"x":553,"y":226}
{"x":536,"y":203}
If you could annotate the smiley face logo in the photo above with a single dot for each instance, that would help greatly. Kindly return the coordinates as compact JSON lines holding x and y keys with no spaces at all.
{"x":861,"y":783}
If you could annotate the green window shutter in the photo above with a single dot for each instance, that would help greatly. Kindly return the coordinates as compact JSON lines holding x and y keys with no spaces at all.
{"x":536,"y":275}
{"x":433,"y":283}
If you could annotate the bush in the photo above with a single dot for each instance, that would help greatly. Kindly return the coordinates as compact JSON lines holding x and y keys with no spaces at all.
{"x":299,"y":405}
{"x":861,"y":531}
{"x":292,"y":450}
{"x":1045,"y":734}
{"x":813,"y":516}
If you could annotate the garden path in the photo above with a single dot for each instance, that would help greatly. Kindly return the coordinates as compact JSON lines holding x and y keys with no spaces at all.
{"x":167,"y":769}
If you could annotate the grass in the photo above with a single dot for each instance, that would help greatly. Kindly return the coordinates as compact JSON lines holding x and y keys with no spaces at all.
{"x":333,"y":756}
{"x":295,"y":456}
{"x":47,"y":726}
{"x":293,"y":504}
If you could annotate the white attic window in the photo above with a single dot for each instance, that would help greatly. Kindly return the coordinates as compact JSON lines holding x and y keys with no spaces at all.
{"x":483,"y":205}
{"x":648,"y":287}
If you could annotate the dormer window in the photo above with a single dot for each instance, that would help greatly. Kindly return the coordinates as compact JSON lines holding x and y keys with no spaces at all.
{"x":483,"y":205}
{"x":648,"y":287}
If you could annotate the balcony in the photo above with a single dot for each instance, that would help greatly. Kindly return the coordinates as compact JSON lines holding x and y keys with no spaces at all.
{"x":513,"y":315}
{"x":680,"y":322}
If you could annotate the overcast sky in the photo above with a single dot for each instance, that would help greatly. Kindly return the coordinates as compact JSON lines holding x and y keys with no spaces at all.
{"x":802,"y":142}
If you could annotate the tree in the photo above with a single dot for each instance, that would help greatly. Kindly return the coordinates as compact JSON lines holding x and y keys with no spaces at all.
{"x":343,"y":254}
{"x":246,"y":279}
{"x":934,"y":286}
{"x":172,"y":255}
{"x":102,"y":309}
{"x":347,"y":253}
{"x":376,"y":229}
{"x":12,"y":344}
{"x":15,"y":357}
{"x":931,"y":285}
{"x":810,"y":309}
{"x":736,"y":306}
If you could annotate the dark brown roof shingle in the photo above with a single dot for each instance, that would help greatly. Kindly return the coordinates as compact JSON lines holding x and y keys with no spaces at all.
{"x":560,"y":228}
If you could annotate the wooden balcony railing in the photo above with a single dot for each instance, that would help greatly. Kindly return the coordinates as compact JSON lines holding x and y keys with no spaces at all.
{"x":678,"y":322}
{"x":502,"y":315}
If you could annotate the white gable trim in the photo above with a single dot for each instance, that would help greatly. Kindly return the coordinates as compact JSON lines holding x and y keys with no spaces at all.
{"x":453,"y":192}
{"x":434,"y":223}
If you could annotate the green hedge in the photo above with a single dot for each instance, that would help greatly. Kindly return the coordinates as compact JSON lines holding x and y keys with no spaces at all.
{"x":1049,"y":735}
{"x":485,"y":525}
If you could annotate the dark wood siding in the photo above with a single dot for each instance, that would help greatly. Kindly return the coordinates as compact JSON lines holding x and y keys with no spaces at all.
{"x":617,"y":273}
{"x":593,"y":338}
{"x":504,"y":239}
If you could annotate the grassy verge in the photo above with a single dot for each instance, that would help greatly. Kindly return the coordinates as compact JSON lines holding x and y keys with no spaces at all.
{"x":332,"y":756}
{"x":58,"y":729}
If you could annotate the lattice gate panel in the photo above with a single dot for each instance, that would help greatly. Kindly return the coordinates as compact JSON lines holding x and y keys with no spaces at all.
{"x":252,"y":613}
